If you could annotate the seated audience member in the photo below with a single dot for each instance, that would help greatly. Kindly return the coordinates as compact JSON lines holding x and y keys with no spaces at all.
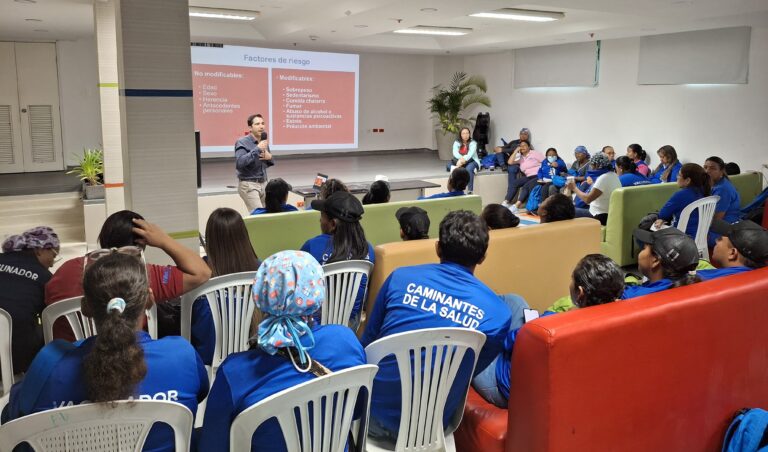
{"x":694,"y":184}
{"x":126,"y":228}
{"x":461,"y":247}
{"x":276,"y":198}
{"x":503,"y":152}
{"x":465,"y":155}
{"x":669,"y":166}
{"x":580,"y":166}
{"x":527,"y":163}
{"x":596,"y":280}
{"x":732,"y":168}
{"x":378,"y":193}
{"x":627,"y":172}
{"x":497,"y":216}
{"x":288,"y":290}
{"x":121,"y":362}
{"x":457,"y":182}
{"x":24,"y":272}
{"x":342,"y":238}
{"x":639,"y":156}
{"x":668,"y":259}
{"x":728,"y":207}
{"x":557,"y":207}
{"x":611,"y":153}
{"x":598,"y":196}
{"x":328,"y":188}
{"x":229,"y":250}
{"x":551,"y":167}
{"x":741,"y":246}
{"x":414,"y":223}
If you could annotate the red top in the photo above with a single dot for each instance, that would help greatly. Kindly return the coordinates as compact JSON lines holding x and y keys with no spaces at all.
{"x":166,"y":282}
{"x":463,"y":149}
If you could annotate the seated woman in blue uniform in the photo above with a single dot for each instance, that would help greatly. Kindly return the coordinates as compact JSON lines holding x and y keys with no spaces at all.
{"x":669,"y":166}
{"x":228,"y":250}
{"x":457,"y":183}
{"x":342,"y":238}
{"x":694,"y":184}
{"x":289,"y":288}
{"x":122,"y":361}
{"x":668,"y":259}
{"x":728,"y":207}
{"x":378,"y":193}
{"x":627,"y":172}
{"x":741,"y":246}
{"x":275,"y":198}
{"x":597,"y":279}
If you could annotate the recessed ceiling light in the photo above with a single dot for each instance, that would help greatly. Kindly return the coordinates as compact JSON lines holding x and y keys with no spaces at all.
{"x":33,"y":20}
{"x":521,"y":14}
{"x":222,"y":13}
{"x":361,"y":26}
{"x":26,"y":1}
{"x":437,"y":31}
{"x":428,"y":10}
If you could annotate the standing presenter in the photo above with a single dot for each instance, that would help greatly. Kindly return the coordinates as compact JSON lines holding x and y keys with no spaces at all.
{"x":252,"y":158}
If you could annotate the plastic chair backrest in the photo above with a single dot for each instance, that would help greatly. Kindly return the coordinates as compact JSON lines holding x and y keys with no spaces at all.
{"x":315,"y":416}
{"x":122,"y":426}
{"x":6,"y":362}
{"x":706,"y":207}
{"x":439,"y":352}
{"x":231,"y":304}
{"x":82,"y":326}
{"x":4,"y":399}
{"x":342,"y":283}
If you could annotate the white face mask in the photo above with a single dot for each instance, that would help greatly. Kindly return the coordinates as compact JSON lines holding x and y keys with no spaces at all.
{"x":551,"y":159}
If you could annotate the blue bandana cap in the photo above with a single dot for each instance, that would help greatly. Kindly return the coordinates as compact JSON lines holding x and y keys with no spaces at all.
{"x":289,"y":287}
{"x":581,"y":150}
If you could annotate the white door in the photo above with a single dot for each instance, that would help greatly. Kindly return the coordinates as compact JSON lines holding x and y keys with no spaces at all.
{"x":11,"y":157}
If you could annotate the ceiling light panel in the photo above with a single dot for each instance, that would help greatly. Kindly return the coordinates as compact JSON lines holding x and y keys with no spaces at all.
{"x":222,"y":13}
{"x":521,"y":14}
{"x":434,"y":31}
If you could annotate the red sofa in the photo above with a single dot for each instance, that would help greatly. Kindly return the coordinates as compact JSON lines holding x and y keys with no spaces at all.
{"x":663,"y":372}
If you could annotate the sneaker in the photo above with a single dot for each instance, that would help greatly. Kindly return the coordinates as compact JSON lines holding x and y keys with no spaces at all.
{"x":513,"y":208}
{"x":504,"y":168}
{"x":491,"y":168}
{"x":505,"y":203}
{"x":469,"y":192}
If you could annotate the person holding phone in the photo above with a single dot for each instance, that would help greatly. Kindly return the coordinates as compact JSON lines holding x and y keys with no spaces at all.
{"x":252,"y":158}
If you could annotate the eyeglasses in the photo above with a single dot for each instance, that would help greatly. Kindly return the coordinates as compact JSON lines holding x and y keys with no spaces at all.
{"x":56,"y":255}
{"x":95,"y":255}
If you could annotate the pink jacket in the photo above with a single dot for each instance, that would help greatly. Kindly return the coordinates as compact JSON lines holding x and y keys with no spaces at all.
{"x":531,"y":163}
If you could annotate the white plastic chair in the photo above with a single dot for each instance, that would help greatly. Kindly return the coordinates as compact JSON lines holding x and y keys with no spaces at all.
{"x":330,"y":400}
{"x":4,"y":401}
{"x":82,"y":326}
{"x":342,"y":283}
{"x":121,"y":426}
{"x":6,"y":360}
{"x":439,"y":351}
{"x":706,"y":208}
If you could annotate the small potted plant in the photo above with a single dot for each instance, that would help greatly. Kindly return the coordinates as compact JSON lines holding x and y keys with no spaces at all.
{"x":448,"y":104}
{"x":90,"y":170}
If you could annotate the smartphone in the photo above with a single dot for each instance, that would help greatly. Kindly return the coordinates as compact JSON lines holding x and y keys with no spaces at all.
{"x":530,"y":314}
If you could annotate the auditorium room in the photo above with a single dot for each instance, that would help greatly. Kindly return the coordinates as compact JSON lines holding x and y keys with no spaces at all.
{"x":523,"y":227}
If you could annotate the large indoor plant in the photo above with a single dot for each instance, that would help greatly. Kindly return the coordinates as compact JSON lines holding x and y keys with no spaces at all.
{"x":448,"y":105}
{"x":90,"y":170}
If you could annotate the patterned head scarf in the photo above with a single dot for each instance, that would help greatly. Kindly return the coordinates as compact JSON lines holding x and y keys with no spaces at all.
{"x":40,"y":237}
{"x":600,"y":161}
{"x":289,"y":287}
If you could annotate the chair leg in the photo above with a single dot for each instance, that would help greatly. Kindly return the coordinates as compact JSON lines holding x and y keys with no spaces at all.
{"x":450,"y":444}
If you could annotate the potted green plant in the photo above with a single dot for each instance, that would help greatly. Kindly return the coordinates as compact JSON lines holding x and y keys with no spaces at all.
{"x":90,"y":170}
{"x":448,"y":106}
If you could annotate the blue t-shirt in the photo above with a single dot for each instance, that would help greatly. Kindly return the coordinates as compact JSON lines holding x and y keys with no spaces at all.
{"x":321,"y":248}
{"x":284,"y":207}
{"x":448,"y":194}
{"x":714,"y":273}
{"x":174,"y":373}
{"x":633,"y":180}
{"x":674,"y":207}
{"x":646,"y":288}
{"x":656,"y":178}
{"x":730,"y":201}
{"x":245,"y":378}
{"x":432,"y":296}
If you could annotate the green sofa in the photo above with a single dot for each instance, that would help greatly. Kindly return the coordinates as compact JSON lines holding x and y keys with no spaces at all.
{"x":630,"y":204}
{"x":288,"y":231}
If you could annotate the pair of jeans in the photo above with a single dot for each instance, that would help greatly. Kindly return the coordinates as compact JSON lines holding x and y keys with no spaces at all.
{"x":585,"y":213}
{"x":471,"y":167}
{"x":514,"y":183}
{"x":501,"y":158}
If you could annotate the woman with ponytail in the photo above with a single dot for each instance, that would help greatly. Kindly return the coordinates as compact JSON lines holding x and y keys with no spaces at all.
{"x":669,"y":166}
{"x":638,"y":156}
{"x":627,"y":172}
{"x":122,"y":361}
{"x":668,"y":259}
{"x":694,"y":184}
{"x":288,"y":290}
{"x":276,"y":198}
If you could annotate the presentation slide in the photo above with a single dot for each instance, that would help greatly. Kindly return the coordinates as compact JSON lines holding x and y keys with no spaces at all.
{"x":308,"y":99}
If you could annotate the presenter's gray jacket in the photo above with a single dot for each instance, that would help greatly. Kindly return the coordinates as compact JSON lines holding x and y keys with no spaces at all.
{"x":247,"y":163}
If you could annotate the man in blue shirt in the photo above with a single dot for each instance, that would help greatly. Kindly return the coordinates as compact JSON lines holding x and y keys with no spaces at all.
{"x":742,"y":246}
{"x":457,"y":183}
{"x":252,"y":158}
{"x":434,"y":296}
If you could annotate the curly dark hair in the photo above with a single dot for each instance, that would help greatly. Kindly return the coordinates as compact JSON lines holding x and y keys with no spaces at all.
{"x":115,"y":365}
{"x":463,"y":238}
{"x":601,"y":279}
{"x":330,"y":187}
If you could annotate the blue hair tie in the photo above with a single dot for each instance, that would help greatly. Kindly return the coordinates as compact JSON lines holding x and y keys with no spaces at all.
{"x":116,"y":304}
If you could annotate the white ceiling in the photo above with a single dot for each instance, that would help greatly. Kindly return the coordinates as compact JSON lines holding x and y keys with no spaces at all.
{"x":337,"y":24}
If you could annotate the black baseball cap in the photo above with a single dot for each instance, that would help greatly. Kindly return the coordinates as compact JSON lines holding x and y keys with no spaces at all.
{"x":414,"y":222}
{"x":341,"y":205}
{"x":673,"y":246}
{"x":746,"y":236}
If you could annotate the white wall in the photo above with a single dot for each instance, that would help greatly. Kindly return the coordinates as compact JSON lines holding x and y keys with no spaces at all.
{"x":79,"y":97}
{"x":726,"y":120}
